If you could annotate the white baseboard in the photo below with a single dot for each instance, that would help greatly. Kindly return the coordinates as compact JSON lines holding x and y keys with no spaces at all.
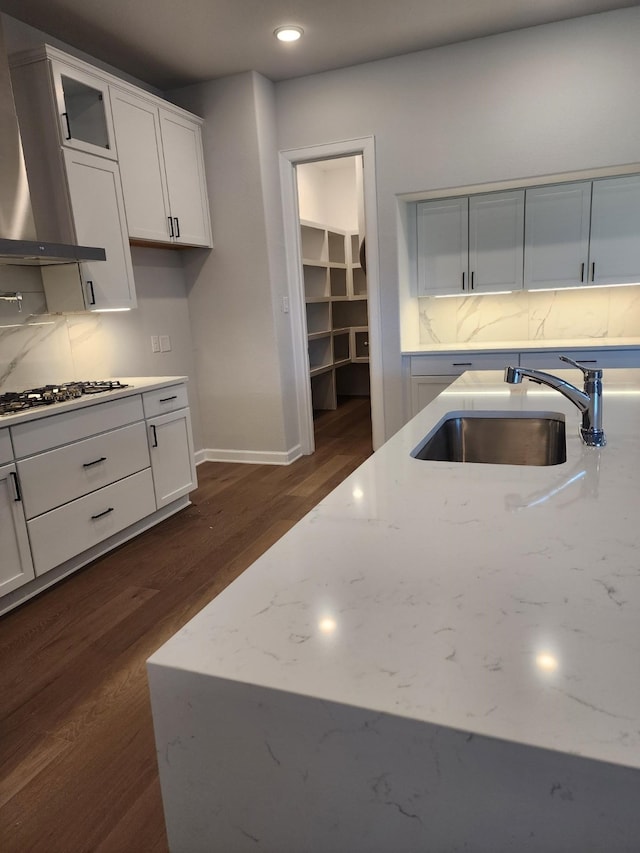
{"x":254,"y":457}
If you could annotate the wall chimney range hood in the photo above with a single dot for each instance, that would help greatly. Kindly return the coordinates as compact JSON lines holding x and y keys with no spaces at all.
{"x":19,"y":243}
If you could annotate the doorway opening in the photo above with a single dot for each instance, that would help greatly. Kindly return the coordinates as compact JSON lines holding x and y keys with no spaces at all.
{"x":332,"y":247}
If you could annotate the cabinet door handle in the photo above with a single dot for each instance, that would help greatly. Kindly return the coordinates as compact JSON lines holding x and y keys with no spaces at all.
{"x":593,"y":271}
{"x":95,"y":462}
{"x":168,"y":399}
{"x":100,"y":514}
{"x":66,"y":121}
{"x":472,"y":275}
{"x":177,"y":221}
{"x":92,"y":295}
{"x":155,"y":436}
{"x":463,"y":281}
{"x":461,"y":364}
{"x":171,"y":234}
{"x":582,"y":272}
{"x":16,"y":486}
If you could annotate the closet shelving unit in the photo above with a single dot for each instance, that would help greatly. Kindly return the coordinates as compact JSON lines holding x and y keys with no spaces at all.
{"x":335,"y":290}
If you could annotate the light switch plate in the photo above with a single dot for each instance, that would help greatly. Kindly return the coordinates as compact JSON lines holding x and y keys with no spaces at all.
{"x":165,"y":343}
{"x":155,"y":343}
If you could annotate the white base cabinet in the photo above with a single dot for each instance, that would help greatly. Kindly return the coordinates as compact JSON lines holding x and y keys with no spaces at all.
{"x":16,"y":567}
{"x":172,"y":459}
{"x":89,"y":474}
{"x":430,"y":374}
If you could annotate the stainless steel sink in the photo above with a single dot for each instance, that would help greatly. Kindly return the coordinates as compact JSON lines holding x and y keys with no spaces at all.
{"x":497,"y":438}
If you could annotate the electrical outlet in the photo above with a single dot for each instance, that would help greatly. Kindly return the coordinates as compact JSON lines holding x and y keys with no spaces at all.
{"x":285,"y":304}
{"x":155,"y":343}
{"x":165,"y":343}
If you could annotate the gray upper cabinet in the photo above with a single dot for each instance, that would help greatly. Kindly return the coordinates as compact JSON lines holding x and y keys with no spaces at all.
{"x":470,"y":245}
{"x":496,"y":237}
{"x":615,"y":231}
{"x":556,"y":252}
{"x":585,"y":233}
{"x":443,"y":243}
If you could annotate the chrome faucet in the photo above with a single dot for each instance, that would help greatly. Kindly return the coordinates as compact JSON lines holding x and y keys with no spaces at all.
{"x":588,"y":401}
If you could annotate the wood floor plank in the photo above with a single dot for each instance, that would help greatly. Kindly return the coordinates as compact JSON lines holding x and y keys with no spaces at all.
{"x":77,"y":751}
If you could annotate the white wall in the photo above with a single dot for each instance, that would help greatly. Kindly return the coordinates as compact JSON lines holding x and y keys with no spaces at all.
{"x":327,"y":192}
{"x":537,"y":102}
{"x":241,"y":336}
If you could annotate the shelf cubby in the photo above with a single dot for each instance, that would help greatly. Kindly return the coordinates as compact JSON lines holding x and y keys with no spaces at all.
{"x":360,"y":350}
{"x":316,"y":281}
{"x":336,"y":247}
{"x":351,"y":313}
{"x":320,"y":352}
{"x":358,"y":281}
{"x":318,"y":317}
{"x":341,"y":346}
{"x":313,"y":243}
{"x":338,"y":281}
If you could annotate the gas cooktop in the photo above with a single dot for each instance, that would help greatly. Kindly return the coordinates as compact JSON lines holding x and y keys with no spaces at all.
{"x":17,"y":401}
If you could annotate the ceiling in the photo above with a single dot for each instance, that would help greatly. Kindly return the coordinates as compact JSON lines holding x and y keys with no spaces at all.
{"x":171,"y":43}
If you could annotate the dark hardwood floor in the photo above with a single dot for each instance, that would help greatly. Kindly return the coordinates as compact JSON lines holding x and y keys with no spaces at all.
{"x":77,"y":754}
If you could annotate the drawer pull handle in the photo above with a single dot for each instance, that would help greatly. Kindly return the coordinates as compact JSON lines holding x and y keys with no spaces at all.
{"x":95,"y":462}
{"x":587,"y":360}
{"x":168,"y":399}
{"x":16,"y":486}
{"x":462,"y":364}
{"x":155,"y":436}
{"x":100,"y":514}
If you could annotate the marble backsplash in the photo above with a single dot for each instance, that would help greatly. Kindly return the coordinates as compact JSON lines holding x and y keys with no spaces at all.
{"x":600,"y":312}
{"x":40,"y":349}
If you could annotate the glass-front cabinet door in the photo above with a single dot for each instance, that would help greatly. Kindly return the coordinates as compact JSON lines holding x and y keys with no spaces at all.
{"x":84,"y":110}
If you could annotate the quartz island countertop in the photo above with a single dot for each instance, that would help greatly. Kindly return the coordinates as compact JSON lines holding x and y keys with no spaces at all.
{"x":495,"y":601}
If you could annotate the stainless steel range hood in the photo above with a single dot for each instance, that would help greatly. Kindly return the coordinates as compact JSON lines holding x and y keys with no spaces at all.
{"x":19,"y":242}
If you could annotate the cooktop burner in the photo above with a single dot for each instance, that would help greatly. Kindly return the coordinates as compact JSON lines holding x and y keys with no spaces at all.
{"x":18,"y":401}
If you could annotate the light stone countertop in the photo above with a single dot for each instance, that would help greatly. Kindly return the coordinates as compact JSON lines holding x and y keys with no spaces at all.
{"x":135,"y":385}
{"x":562,"y":345}
{"x":490,"y":599}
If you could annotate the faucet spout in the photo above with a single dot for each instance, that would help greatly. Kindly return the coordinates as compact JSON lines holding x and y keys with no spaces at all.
{"x":588,"y":401}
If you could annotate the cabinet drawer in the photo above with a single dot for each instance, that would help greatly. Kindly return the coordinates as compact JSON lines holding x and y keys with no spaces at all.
{"x":456,"y":363}
{"x":164,"y":400}
{"x":589,"y":358}
{"x":63,"y":533}
{"x":58,"y":476}
{"x":6,"y":451}
{"x":74,"y":425}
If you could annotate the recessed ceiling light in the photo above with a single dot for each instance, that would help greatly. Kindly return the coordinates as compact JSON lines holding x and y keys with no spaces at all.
{"x":288,"y":33}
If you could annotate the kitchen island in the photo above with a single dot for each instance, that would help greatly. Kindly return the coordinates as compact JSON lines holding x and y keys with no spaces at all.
{"x":439,"y":657}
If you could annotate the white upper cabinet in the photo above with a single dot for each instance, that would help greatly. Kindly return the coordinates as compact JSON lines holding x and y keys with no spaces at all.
{"x":496,"y":241}
{"x":84,"y":110}
{"x":615,"y":231}
{"x":182,"y":144}
{"x":556,"y":252}
{"x":162,"y":167}
{"x":443,"y":242}
{"x":97,"y":205}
